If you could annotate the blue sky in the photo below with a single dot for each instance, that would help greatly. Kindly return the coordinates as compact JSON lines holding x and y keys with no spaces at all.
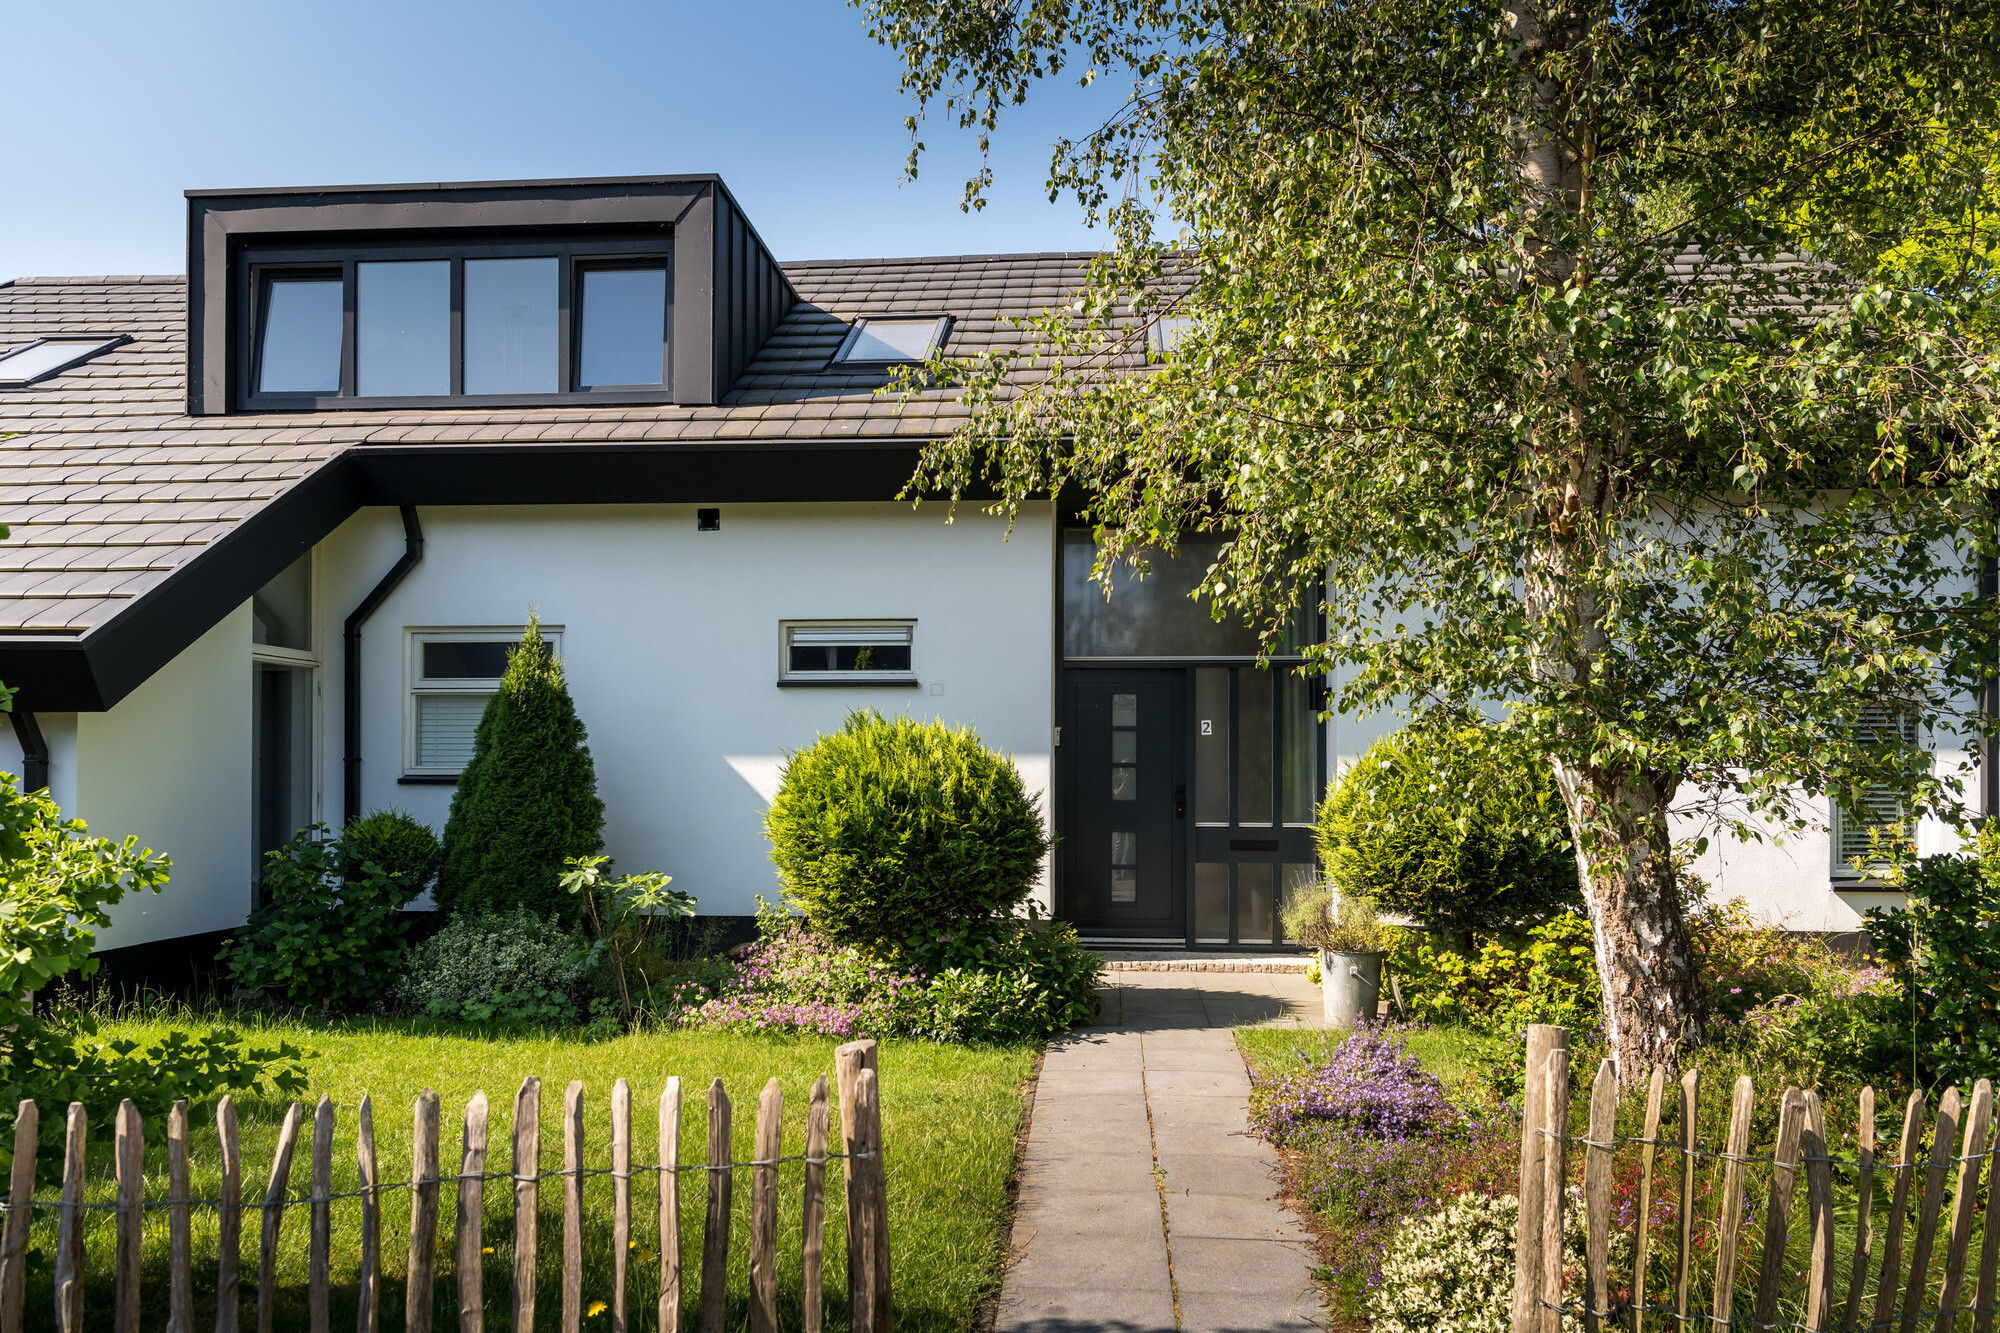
{"x":118,"y":107}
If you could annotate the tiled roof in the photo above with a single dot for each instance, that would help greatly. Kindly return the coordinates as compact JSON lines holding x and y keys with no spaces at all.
{"x":109,"y":486}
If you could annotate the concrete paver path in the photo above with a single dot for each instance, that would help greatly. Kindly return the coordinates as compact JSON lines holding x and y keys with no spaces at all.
{"x":1144,"y":1206}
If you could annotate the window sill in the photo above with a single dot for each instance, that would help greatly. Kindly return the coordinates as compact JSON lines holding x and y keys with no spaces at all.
{"x":887,"y":683}
{"x":428,"y":780}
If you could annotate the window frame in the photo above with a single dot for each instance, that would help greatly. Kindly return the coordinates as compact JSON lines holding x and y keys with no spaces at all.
{"x":416,"y":684}
{"x":1842,"y":821}
{"x":790,"y":679}
{"x":940,"y":334}
{"x":573,"y":253}
{"x":89,"y":347}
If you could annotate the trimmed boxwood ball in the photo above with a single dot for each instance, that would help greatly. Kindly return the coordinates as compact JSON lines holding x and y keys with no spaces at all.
{"x":891,"y":832}
{"x":1462,"y":830}
{"x":403,"y":846}
{"x":527,"y":799}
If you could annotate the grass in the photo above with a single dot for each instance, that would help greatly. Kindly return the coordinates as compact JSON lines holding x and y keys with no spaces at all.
{"x":950,"y":1117}
{"x":1453,"y":1054}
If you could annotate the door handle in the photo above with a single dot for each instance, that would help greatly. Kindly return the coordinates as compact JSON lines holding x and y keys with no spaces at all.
{"x":1180,"y":803}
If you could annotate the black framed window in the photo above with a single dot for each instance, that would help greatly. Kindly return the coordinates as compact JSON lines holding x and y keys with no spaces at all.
{"x":386,"y":325}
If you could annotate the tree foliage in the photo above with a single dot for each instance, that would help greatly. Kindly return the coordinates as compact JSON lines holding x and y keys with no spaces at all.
{"x":528,"y":799}
{"x":1499,"y":326}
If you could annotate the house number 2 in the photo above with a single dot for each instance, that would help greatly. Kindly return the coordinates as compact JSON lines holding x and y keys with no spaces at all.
{"x":1207,"y":727}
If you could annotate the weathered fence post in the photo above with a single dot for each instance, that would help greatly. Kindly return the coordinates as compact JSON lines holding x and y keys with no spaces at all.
{"x":20,"y":1205}
{"x":368,"y":1297}
{"x":764,"y":1210}
{"x":715,"y":1226}
{"x":69,"y":1232}
{"x":274,"y":1214}
{"x":670,"y":1207}
{"x":131,"y":1148}
{"x":319,"y":1271}
{"x":527,"y":1167}
{"x":1555,"y":1175}
{"x":867,"y":1189}
{"x":1597,"y":1198}
{"x":472,"y":1219}
{"x":422,"y":1270}
{"x":1542,"y":1038}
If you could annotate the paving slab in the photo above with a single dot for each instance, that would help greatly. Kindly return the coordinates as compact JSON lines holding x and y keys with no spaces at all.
{"x":1159,"y":1084}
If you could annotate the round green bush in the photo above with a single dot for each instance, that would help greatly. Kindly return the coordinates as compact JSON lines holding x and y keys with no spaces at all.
{"x":896,"y":832}
{"x":404,"y":847}
{"x":1462,"y":831}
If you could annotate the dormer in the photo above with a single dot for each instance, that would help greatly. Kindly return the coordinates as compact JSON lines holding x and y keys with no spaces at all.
{"x":508,"y":294}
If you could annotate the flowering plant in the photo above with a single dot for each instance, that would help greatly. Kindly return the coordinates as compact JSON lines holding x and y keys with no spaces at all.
{"x":1452,"y":1270}
{"x":1370,"y":1083}
{"x":791,"y":980}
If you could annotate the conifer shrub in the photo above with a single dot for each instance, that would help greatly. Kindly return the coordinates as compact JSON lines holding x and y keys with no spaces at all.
{"x":403,"y":846}
{"x":897,"y":832}
{"x":527,"y":800}
{"x":1463,"y":831}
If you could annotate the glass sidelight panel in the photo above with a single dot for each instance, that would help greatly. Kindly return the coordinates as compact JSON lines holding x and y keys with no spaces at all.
{"x":1298,"y":748}
{"x":1124,"y":747}
{"x":1253,"y":747}
{"x":1253,"y":902}
{"x":1124,"y":867}
{"x":1211,"y":745}
{"x":1211,"y":902}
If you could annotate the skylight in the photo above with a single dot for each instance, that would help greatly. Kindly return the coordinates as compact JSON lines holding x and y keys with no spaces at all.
{"x":893,"y":341}
{"x":1165,"y":335}
{"x":50,"y":356}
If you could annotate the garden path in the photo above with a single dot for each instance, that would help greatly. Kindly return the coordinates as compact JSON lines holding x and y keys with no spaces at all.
{"x":1144,"y":1206}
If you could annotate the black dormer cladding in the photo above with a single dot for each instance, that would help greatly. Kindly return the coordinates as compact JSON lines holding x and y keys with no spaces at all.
{"x":728,"y":291}
{"x":751,"y":293}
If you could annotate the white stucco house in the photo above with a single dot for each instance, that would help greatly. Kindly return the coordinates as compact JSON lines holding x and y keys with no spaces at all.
{"x":273,"y":524}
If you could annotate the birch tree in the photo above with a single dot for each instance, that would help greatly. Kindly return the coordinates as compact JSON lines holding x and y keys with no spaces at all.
{"x":1505,"y":319}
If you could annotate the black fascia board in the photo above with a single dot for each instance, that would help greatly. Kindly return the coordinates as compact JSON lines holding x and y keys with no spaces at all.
{"x":57,"y":673}
{"x":221,"y":222}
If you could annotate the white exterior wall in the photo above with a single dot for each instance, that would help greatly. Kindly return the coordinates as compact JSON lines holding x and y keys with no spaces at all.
{"x":670,"y":647}
{"x":170,"y":765}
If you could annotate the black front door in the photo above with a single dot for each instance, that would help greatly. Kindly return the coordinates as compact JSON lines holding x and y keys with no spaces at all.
{"x":1124,"y":777}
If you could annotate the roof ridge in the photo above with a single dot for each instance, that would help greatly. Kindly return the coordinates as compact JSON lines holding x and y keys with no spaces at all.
{"x":941,"y":259}
{"x":101,"y":280}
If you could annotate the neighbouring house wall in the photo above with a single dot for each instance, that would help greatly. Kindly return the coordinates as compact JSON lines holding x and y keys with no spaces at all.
{"x":1785,"y":879}
{"x":170,"y":766}
{"x":670,"y":646}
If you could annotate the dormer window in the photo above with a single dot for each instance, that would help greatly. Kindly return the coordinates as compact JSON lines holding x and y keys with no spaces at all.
{"x":402,"y":324}
{"x":492,"y":294}
{"x":893,"y":342}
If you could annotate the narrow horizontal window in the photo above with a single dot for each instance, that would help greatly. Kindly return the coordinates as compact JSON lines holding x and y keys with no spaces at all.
{"x":849,"y":652}
{"x":503,"y":322}
{"x":893,"y":341}
{"x":50,"y":356}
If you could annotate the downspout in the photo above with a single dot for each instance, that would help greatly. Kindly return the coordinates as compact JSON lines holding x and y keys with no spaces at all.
{"x":34,"y":751}
{"x":350,"y":681}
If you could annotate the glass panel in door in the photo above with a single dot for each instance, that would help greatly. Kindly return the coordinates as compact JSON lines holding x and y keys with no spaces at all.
{"x":1256,"y":787}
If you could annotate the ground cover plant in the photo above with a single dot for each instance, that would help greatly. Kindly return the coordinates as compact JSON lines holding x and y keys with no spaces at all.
{"x":950,"y":1119}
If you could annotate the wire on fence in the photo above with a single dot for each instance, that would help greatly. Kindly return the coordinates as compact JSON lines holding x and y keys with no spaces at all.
{"x":1675,"y":1316}
{"x":387,"y":1186}
{"x":1751,"y":1159}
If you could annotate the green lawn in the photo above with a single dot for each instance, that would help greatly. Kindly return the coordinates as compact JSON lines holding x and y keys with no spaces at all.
{"x":950,"y":1119}
{"x":1453,"y":1054}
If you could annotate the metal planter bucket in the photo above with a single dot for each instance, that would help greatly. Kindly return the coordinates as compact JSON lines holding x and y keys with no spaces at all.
{"x":1350,"y":986}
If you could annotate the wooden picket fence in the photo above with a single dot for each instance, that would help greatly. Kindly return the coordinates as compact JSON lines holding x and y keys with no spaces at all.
{"x":861,"y":1158}
{"x":1880,"y":1292}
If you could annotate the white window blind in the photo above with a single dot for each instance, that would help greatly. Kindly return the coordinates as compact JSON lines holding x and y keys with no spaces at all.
{"x":856,"y":636}
{"x":445,"y":727}
{"x":1866,"y":834}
